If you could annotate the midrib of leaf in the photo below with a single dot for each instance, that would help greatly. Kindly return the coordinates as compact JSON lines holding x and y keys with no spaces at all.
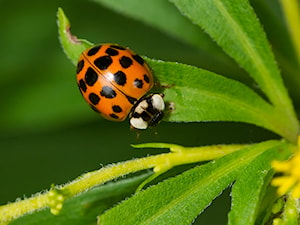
{"x":231,"y":167}
{"x":255,"y":111}
{"x":266,"y":118}
{"x":275,"y":96}
{"x":244,"y":39}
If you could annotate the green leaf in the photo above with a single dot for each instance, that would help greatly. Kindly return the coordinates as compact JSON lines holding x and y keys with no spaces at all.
{"x":179,"y":200}
{"x":250,"y":187}
{"x":235,"y":27}
{"x":266,"y":205}
{"x":200,"y":95}
{"x":72,"y":46}
{"x":270,"y":15}
{"x":154,"y":12}
{"x":84,"y":208}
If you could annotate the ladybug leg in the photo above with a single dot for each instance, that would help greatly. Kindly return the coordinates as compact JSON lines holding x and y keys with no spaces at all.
{"x":163,"y":86}
{"x":138,"y":134}
{"x":166,"y":86}
{"x":137,"y":131}
{"x":155,"y":130}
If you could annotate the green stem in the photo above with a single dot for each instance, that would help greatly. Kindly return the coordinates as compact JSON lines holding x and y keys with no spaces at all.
{"x":54,"y":198}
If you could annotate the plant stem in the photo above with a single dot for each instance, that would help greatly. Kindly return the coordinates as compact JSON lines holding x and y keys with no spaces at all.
{"x":178,"y":156}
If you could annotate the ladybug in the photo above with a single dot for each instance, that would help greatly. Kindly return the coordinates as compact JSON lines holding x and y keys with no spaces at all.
{"x":114,"y":80}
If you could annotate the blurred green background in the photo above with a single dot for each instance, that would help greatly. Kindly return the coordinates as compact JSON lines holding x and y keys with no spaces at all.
{"x":48,"y":133}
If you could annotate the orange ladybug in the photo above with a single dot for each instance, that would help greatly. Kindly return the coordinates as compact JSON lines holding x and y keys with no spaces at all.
{"x":114,"y":81}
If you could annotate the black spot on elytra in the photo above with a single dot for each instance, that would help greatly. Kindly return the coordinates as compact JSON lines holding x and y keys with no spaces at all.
{"x":113,"y":116}
{"x":91,"y":76}
{"x":103,"y":62}
{"x":108,"y":92}
{"x":139,"y":59}
{"x":80,"y":65}
{"x":117,"y":47}
{"x":94,"y":108}
{"x":125,"y":62}
{"x":131,"y":99}
{"x":138,"y":83}
{"x":112,"y":52}
{"x":120,"y":78}
{"x":94,"y":50}
{"x":117,"y":109}
{"x":94,"y":98}
{"x":82,"y":85}
{"x":146,"y":78}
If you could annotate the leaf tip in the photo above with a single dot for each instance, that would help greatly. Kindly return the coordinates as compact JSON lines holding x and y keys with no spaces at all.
{"x":71,"y":45}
